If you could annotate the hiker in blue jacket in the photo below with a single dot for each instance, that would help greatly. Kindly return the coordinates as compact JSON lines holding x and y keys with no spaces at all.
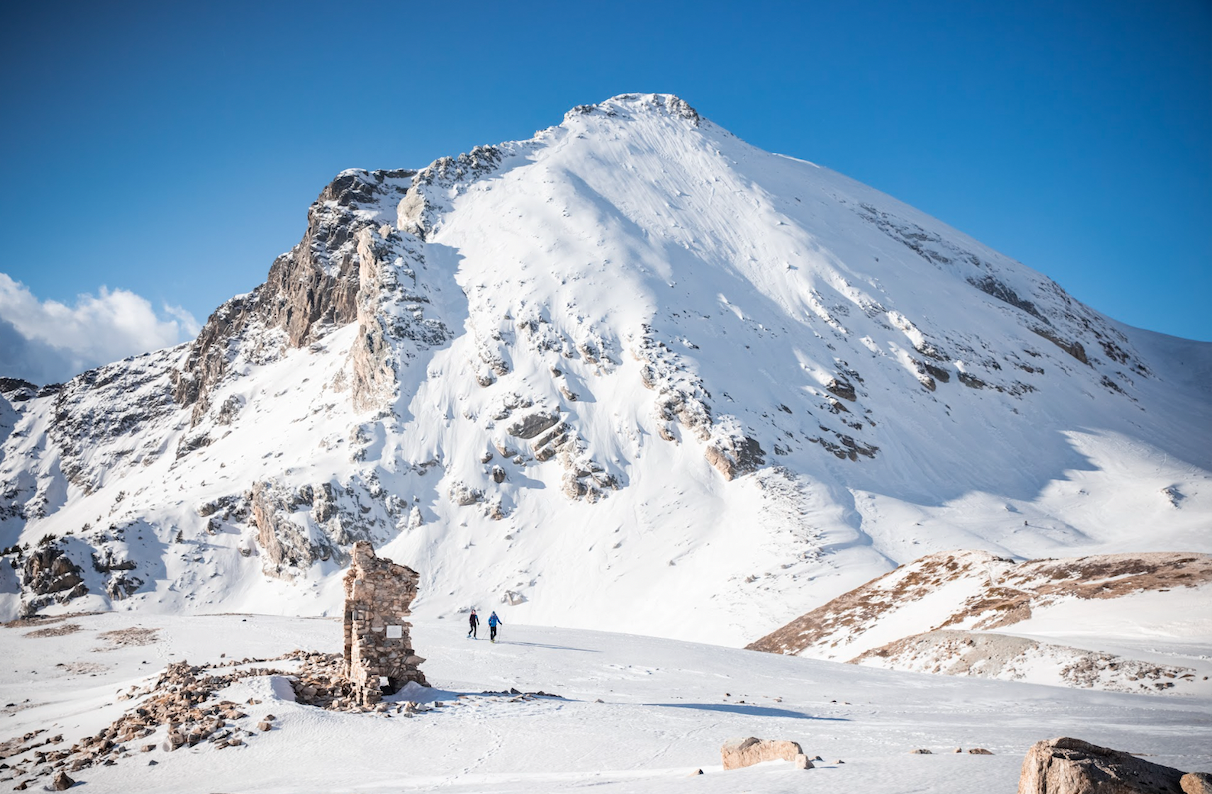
{"x":493,"y":622}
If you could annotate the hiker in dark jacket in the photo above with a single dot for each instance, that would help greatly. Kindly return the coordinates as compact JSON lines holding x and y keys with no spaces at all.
{"x":493,"y":622}
{"x":474,"y":621}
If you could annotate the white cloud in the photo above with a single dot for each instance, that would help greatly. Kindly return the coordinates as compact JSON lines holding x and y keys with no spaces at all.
{"x":48,"y":340}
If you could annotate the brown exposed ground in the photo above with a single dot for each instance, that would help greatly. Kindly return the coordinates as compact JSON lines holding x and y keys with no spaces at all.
{"x":1007,"y":591}
{"x":43,"y":620}
{"x":54,"y":631}
{"x":131,"y":636}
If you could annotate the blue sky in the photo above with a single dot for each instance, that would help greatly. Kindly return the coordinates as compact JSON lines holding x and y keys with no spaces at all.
{"x":168,"y":152}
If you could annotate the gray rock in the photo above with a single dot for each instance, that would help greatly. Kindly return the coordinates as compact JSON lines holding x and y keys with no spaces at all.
{"x":532,"y":424}
{"x":1071,"y":766}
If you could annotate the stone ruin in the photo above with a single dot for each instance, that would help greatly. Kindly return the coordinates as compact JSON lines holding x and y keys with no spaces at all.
{"x":378,"y":651}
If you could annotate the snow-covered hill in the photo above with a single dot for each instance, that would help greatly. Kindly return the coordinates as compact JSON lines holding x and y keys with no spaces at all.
{"x":632,"y":374}
{"x":1127,"y":622}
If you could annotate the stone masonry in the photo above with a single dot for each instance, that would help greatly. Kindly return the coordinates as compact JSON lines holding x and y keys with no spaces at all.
{"x":378,"y":651}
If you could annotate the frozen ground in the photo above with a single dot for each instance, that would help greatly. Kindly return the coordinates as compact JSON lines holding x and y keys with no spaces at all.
{"x":666,"y":707}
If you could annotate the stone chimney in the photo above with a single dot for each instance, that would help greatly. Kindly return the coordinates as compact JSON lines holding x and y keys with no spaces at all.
{"x":378,"y":651}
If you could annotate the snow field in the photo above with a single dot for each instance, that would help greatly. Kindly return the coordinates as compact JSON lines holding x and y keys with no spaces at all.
{"x":667,"y":707}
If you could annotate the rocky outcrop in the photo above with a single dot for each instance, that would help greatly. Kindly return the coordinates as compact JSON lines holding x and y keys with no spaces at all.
{"x":532,"y":424}
{"x":378,"y":650}
{"x":742,"y":752}
{"x":286,"y":531}
{"x":48,"y":570}
{"x":463,"y":495}
{"x":394,"y":314}
{"x":668,"y":104}
{"x":313,"y":286}
{"x":1071,"y":766}
{"x":416,"y":212}
{"x":1196,"y":783}
{"x":733,"y":453}
{"x":49,"y":576}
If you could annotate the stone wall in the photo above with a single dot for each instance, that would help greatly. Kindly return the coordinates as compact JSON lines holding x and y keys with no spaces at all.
{"x":378,"y":649}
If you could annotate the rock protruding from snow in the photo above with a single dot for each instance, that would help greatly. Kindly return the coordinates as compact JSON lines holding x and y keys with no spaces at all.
{"x":378,"y":648}
{"x":973,"y":590}
{"x":532,"y":424}
{"x":49,"y":575}
{"x":291,"y":538}
{"x":734,"y":454}
{"x":1071,"y":766}
{"x":747,"y":751}
{"x":1196,"y":783}
{"x":312,"y":287}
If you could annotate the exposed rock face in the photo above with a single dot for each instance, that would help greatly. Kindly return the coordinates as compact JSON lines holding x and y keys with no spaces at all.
{"x":734,"y":454}
{"x":48,"y":575}
{"x":463,"y":495}
{"x":391,"y":312}
{"x":378,"y":649}
{"x":737,"y":753}
{"x":315,"y":284}
{"x":531,"y":425}
{"x":415,"y":213}
{"x":1071,"y":766}
{"x":48,"y":570}
{"x":1196,"y":783}
{"x":289,"y":535}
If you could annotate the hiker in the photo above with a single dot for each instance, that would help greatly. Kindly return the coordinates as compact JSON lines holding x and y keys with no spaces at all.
{"x":474,"y":621}
{"x":493,"y":622}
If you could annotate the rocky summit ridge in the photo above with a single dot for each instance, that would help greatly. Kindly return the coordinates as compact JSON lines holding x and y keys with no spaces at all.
{"x":625,"y":370}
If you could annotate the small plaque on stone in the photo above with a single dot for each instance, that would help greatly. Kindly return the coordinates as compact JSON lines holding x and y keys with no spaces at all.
{"x":395,"y":632}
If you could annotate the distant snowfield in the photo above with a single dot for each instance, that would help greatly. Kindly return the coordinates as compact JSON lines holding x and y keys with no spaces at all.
{"x":666,"y":708}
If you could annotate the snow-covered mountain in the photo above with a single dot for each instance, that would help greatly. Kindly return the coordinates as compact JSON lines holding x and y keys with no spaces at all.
{"x":632,"y":374}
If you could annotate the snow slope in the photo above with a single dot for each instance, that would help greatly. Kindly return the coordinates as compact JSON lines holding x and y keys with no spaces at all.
{"x":638,"y":714}
{"x":1127,"y":622}
{"x":631,"y":374}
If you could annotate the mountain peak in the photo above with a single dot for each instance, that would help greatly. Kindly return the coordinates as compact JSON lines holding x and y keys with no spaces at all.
{"x":626,"y":105}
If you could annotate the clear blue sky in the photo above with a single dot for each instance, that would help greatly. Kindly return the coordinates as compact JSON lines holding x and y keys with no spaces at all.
{"x":172,"y":149}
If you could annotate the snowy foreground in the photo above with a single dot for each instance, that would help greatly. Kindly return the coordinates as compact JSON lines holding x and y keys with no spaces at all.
{"x":637,"y":714}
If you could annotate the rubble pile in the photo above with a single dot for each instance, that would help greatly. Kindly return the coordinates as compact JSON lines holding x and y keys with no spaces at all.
{"x":179,"y":699}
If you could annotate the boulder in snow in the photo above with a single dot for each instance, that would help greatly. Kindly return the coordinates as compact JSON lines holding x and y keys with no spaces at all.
{"x":1071,"y":766}
{"x":741,"y":752}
